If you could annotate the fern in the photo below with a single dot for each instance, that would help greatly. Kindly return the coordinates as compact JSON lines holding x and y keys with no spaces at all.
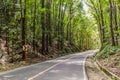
{"x":108,"y":50}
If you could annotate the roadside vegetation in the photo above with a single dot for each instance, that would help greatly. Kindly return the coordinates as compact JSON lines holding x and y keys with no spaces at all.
{"x":107,"y":16}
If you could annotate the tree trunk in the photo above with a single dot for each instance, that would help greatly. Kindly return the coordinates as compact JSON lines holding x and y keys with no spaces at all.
{"x":116,"y":24}
{"x":102,"y":22}
{"x":43,"y":29}
{"x":23,"y":24}
{"x":59,"y":25}
{"x":111,"y":23}
{"x":34,"y":26}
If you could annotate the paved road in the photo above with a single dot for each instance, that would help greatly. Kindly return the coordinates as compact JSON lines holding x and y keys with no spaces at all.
{"x":70,"y":67}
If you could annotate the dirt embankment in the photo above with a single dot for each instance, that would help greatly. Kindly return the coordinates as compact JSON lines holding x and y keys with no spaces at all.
{"x":93,"y":71}
{"x":112,"y":63}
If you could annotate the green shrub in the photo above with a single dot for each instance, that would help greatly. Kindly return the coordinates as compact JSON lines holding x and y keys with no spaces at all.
{"x":108,"y":50}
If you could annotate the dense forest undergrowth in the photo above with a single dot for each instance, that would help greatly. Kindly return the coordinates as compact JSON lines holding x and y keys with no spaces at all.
{"x":36,"y":30}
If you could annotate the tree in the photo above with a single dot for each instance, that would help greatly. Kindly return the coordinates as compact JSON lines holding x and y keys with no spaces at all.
{"x":43,"y":28}
{"x":111,"y":23}
{"x":23,"y":24}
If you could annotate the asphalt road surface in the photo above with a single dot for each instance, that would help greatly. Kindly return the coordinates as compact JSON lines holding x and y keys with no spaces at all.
{"x":70,"y":67}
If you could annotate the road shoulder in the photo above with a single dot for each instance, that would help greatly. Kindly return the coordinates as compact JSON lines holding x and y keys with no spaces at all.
{"x":93,"y":71}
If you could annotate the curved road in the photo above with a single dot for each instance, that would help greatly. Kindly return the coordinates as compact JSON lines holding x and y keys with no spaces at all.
{"x":70,"y":67}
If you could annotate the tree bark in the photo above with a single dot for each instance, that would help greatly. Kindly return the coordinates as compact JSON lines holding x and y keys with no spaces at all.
{"x":115,"y":23}
{"x":102,"y":22}
{"x":23,"y":24}
{"x":34,"y":26}
{"x":111,"y":23}
{"x":43,"y":29}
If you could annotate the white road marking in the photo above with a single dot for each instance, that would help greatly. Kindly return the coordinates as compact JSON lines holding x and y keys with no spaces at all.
{"x":31,"y":78}
{"x":61,"y":61}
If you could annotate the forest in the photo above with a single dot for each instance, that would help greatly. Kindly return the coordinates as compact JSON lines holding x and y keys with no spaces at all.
{"x":44,"y":29}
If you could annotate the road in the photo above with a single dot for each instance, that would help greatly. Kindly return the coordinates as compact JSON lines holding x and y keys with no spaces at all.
{"x":70,"y":67}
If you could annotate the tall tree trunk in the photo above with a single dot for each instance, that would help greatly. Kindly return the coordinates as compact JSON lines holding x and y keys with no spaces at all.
{"x":34,"y":26}
{"x":7,"y":30}
{"x":102,"y":22}
{"x":111,"y":23}
{"x":115,"y":23}
{"x":43,"y":29}
{"x":70,"y":25}
{"x":23,"y":24}
{"x":48,"y":25}
{"x":59,"y":25}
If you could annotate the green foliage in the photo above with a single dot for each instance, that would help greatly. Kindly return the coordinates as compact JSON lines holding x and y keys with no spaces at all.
{"x":108,"y":50}
{"x":64,"y":21}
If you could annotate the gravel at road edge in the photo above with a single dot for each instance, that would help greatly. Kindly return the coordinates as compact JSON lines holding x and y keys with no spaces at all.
{"x":93,"y":71}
